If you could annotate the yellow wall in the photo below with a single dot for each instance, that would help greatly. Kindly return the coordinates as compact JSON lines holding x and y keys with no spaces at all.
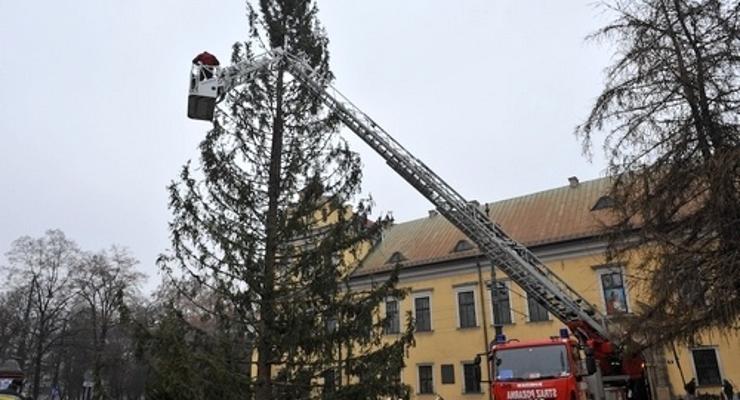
{"x":449,"y":344}
{"x":728,"y":351}
{"x":446,"y":343}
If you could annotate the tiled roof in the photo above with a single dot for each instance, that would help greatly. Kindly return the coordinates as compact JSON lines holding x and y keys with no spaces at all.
{"x":546,"y":217}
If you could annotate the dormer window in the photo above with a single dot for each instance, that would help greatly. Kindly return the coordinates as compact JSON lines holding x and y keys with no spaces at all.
{"x":603,"y":202}
{"x":462,"y":245}
{"x":396,"y":257}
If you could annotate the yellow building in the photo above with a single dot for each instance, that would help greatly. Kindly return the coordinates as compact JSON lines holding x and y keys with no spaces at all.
{"x":448,"y":278}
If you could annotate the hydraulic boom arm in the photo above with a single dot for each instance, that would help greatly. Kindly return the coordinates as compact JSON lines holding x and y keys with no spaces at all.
{"x":518,"y":262}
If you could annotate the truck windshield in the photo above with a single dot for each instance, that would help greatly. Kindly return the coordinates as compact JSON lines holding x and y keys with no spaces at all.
{"x":527,"y":363}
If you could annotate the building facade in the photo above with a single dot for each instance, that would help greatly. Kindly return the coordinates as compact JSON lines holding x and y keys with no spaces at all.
{"x":450,"y":300}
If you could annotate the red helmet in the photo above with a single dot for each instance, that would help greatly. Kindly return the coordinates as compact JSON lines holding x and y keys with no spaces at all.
{"x":206,"y":58}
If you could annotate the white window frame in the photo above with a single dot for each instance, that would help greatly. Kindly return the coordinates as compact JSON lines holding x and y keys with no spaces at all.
{"x":610,"y":269}
{"x":418,"y":378}
{"x":398,"y":312}
{"x":722,"y":375}
{"x":462,"y":376}
{"x":476,"y":310}
{"x":424,"y":293}
{"x":507,"y":283}
{"x":526,"y":311}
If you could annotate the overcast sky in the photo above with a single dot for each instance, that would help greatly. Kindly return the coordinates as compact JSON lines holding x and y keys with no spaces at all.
{"x":93,"y":111}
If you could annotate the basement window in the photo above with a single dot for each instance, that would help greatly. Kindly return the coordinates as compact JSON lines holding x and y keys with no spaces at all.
{"x":448,"y":374}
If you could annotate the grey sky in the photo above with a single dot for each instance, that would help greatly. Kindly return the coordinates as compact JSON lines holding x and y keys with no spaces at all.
{"x":93,"y":126}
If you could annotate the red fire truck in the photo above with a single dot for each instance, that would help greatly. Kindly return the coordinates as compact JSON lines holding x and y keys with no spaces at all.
{"x":559,"y":368}
{"x":538,"y":369}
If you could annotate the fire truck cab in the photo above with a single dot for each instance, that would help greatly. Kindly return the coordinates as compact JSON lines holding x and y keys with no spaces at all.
{"x":537,"y":370}
{"x":558,"y":368}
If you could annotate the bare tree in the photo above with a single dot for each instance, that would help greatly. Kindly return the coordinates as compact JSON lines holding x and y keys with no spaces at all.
{"x":14,"y":322}
{"x":42,"y":266}
{"x":670,"y":112}
{"x":104,"y":281}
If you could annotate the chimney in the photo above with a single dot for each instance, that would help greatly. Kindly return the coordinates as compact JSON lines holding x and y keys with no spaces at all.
{"x":433,"y":213}
{"x":573,"y":180}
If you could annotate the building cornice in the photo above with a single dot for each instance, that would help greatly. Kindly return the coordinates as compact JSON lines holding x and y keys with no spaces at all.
{"x":460,"y":266}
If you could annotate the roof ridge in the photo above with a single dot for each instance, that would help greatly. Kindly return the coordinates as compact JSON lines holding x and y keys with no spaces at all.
{"x":545,"y":217}
{"x":490,"y":203}
{"x":564,"y":187}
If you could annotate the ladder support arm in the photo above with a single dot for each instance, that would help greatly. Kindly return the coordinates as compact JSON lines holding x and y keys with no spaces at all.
{"x":515,"y":260}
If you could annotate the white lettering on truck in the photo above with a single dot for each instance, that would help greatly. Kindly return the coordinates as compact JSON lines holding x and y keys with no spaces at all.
{"x":531,"y":394}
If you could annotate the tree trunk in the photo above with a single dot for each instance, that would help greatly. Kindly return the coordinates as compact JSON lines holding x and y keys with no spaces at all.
{"x":23,"y":345}
{"x":37,"y":366}
{"x":98,"y":364}
{"x":59,"y":357}
{"x":267,"y":311}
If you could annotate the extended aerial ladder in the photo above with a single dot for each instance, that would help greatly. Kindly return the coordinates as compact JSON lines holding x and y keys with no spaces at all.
{"x":515,"y":260}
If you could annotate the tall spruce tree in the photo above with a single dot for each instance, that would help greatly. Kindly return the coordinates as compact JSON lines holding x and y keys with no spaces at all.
{"x":264,"y":224}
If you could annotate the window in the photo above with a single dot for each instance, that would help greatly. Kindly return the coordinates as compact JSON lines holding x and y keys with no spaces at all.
{"x":537,"y":311}
{"x":423,"y":313}
{"x":331,"y":325}
{"x":693,"y":290}
{"x":448,"y":374}
{"x":603,"y":202}
{"x":502,"y":304}
{"x":329,"y":380}
{"x":426,"y":385}
{"x":462,"y":245}
{"x":395,"y":258}
{"x":525,"y":363}
{"x":471,"y":382}
{"x":706,"y":366}
{"x":392,"y":324}
{"x":466,"y":308}
{"x":615,"y":296}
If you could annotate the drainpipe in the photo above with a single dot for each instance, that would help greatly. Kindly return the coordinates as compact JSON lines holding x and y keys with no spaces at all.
{"x":486,"y":342}
{"x":483,"y":306}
